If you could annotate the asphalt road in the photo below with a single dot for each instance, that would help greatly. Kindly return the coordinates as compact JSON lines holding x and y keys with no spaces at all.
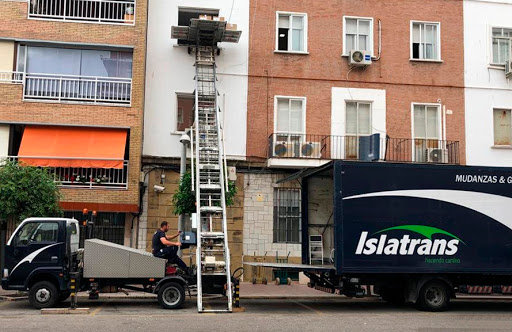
{"x":263,"y":315}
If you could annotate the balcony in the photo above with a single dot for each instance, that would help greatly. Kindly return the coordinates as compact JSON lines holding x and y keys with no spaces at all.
{"x":297,"y":150}
{"x":12,"y":77}
{"x":88,"y":178}
{"x":85,"y":11}
{"x":82,"y":89}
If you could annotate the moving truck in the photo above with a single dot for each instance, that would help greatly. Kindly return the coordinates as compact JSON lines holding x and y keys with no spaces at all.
{"x":418,"y":232}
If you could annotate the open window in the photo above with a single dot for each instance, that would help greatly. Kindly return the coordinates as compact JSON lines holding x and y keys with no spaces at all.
{"x":291,"y":32}
{"x":426,"y":41}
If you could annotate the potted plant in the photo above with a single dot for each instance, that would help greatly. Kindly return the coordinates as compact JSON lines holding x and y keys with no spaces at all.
{"x":184,"y":200}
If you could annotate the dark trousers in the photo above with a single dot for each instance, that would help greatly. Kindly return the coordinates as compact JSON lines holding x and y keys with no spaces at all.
{"x":171,"y":254}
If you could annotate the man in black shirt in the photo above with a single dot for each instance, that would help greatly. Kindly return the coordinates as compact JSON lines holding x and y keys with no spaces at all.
{"x":164,"y":248}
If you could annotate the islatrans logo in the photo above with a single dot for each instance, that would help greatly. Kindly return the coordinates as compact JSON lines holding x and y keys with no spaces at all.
{"x":387,"y":245}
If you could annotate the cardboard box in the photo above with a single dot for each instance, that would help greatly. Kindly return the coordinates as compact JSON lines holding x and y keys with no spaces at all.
{"x":205,"y":17}
{"x":218,"y":18}
{"x":231,"y":26}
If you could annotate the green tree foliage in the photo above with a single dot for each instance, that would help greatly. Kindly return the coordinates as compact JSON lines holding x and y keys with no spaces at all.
{"x":184,"y":200}
{"x":27,"y":192}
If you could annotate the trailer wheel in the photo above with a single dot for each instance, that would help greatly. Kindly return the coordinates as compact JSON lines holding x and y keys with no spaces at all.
{"x":43,"y":294}
{"x":171,"y":296}
{"x":434,"y":296}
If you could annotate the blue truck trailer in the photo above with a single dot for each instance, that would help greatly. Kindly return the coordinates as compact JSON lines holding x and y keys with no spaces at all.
{"x":418,"y":233}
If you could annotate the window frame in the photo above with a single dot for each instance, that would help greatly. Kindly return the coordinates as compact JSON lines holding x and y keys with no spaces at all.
{"x":494,"y":109}
{"x":491,"y":62}
{"x":439,"y":58}
{"x":275,"y":218}
{"x":178,"y":94}
{"x":439,"y":120}
{"x":290,"y":98}
{"x":305,"y":41}
{"x":345,"y":51}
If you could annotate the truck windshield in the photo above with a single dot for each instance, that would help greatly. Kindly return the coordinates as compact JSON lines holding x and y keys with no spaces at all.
{"x":37,"y":232}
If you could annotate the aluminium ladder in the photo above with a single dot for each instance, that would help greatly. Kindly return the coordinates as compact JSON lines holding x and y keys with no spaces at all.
{"x":208,"y":159}
{"x":212,"y":256}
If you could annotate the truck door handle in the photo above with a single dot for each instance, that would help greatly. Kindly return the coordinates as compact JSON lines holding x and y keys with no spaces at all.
{"x":54,"y":259}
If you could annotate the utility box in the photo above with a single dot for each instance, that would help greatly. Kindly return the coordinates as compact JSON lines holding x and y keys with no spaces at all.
{"x":188,"y":239}
{"x":369,"y":147}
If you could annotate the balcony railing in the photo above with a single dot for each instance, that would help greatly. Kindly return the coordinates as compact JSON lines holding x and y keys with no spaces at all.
{"x":330,"y":147}
{"x":92,"y":11}
{"x":13,"y":77}
{"x":86,"y":89}
{"x":88,"y":178}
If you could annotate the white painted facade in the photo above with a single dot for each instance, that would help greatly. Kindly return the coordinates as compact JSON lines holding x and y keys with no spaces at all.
{"x":486,"y":87}
{"x":170,"y":70}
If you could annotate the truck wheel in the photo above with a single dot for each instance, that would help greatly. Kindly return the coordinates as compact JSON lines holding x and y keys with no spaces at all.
{"x":43,"y":294}
{"x":434,"y":296}
{"x":171,"y":296}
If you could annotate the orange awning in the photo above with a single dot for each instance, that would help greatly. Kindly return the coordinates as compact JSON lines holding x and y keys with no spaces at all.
{"x":48,"y":146}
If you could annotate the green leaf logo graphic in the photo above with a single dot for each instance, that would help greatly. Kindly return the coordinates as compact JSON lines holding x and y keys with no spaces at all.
{"x":426,"y":231}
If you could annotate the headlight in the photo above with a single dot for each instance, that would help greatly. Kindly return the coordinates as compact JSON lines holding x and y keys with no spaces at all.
{"x":6,"y":273}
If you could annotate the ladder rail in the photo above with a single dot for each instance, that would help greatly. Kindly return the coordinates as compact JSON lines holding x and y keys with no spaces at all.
{"x":198,"y":195}
{"x":223,"y":200}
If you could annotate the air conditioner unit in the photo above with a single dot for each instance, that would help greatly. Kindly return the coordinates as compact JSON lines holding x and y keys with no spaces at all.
{"x":310,"y":150}
{"x":508,"y":63}
{"x":436,"y":155}
{"x":360,"y":58}
{"x":283,"y":150}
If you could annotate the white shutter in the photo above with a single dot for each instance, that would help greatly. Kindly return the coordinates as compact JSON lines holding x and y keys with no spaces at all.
{"x":351,"y":123}
{"x":296,"y":116}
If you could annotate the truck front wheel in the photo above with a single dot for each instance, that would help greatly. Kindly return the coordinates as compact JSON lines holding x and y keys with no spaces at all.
{"x":43,"y":294}
{"x":171,"y":296}
{"x":434,"y":296}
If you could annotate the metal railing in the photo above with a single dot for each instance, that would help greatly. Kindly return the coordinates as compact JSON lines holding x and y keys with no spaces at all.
{"x":331,"y":147}
{"x":88,"y":178}
{"x":86,"y":89}
{"x":92,"y":11}
{"x":13,"y":77}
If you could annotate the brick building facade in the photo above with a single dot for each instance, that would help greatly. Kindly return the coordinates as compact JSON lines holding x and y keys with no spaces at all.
{"x":81,"y":69}
{"x":307,"y":103}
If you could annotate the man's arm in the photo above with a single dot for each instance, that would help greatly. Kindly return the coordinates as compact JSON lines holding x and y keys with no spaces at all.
{"x":169,"y":243}
{"x":170,"y":237}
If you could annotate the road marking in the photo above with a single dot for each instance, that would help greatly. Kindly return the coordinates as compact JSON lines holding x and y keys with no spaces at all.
{"x":208,"y":307}
{"x":98,"y":309}
{"x":308,"y":307}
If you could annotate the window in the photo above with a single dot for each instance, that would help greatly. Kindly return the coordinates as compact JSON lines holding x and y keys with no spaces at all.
{"x":290,"y":118}
{"x":426,"y":41}
{"x":502,"y":127}
{"x":185,"y":14}
{"x":108,"y":226}
{"x":98,"y":63}
{"x":37,"y":232}
{"x":358,"y":34}
{"x":185,"y":112}
{"x":426,"y":130}
{"x":287,"y":215}
{"x":501,"y":39}
{"x":358,"y":123}
{"x":291,"y":32}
